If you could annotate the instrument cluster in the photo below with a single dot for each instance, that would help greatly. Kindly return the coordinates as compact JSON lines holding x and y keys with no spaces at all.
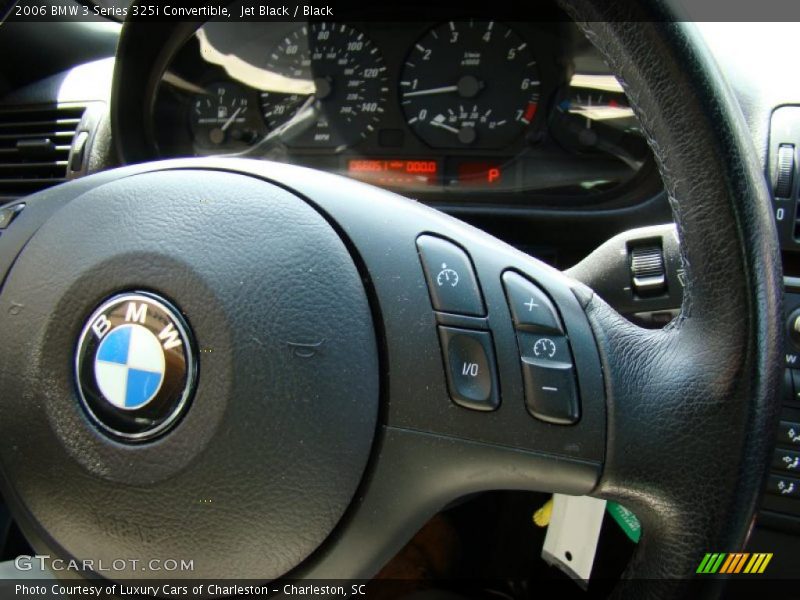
{"x":455,"y":111}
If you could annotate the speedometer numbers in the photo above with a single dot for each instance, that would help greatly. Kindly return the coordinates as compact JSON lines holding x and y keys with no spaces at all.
{"x":329,"y":87}
{"x":470,"y":85}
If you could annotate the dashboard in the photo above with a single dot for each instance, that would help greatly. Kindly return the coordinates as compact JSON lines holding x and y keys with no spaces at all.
{"x":475,"y":111}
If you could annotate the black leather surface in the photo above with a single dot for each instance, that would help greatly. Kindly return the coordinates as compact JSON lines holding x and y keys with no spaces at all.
{"x":272,"y":448}
{"x":691,"y":409}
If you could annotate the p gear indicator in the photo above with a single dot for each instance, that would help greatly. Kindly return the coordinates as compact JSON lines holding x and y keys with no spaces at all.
{"x":479,"y":172}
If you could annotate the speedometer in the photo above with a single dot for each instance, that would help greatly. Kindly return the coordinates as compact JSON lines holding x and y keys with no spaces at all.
{"x":470,"y":85}
{"x":331,"y":87}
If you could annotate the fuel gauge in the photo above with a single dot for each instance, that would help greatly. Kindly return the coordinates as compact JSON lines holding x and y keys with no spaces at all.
{"x":222,"y":119}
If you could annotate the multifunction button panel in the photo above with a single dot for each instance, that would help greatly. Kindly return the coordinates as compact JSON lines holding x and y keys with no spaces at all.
{"x":468,"y":353}
{"x":543,"y":347}
{"x":547,"y":368}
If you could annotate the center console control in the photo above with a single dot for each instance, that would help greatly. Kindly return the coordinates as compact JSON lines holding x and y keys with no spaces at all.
{"x":783,"y":485}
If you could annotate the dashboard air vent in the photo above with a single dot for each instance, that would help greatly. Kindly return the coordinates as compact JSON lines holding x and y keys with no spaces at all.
{"x":35,"y":145}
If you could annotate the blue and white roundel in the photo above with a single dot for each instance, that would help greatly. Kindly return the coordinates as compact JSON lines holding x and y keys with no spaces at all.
{"x":129,"y":366}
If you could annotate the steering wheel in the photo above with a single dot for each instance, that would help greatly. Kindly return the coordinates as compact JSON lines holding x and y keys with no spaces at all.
{"x":274,"y":371}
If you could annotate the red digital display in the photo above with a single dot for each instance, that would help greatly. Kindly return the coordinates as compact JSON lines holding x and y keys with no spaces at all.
{"x":479,"y":173}
{"x":394,"y":172}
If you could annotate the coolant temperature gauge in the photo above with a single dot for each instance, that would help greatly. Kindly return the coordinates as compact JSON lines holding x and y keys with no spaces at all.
{"x":592,"y":113}
{"x":594,"y":117}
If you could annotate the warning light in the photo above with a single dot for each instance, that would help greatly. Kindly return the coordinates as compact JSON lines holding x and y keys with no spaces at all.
{"x":394,"y":172}
{"x":479,"y":173}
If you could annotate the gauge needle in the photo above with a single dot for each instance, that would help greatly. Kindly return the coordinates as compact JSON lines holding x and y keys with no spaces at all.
{"x":231,"y":119}
{"x":306,"y":115}
{"x":435,"y":123}
{"x":429,"y":92}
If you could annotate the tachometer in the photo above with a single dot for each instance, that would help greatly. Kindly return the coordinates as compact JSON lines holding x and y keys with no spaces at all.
{"x":473,"y":84}
{"x":330,"y":87}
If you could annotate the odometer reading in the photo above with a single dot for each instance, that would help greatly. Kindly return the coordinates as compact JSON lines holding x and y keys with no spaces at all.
{"x":395,"y":172}
{"x":470,"y":85}
{"x":340,"y":87}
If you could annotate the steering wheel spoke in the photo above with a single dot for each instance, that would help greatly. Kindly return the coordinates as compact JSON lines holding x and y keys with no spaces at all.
{"x":417,"y":474}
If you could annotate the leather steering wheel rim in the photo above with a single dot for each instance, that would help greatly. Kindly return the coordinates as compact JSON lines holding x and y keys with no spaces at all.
{"x":676,"y":424}
{"x":732,"y":308}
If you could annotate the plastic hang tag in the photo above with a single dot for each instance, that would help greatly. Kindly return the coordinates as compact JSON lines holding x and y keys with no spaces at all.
{"x":626,"y":520}
{"x":573,"y":534}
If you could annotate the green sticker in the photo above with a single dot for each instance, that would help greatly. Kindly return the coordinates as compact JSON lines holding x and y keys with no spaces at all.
{"x":627,"y":520}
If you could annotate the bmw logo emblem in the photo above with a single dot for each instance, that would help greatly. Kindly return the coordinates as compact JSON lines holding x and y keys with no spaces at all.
{"x":135,"y":366}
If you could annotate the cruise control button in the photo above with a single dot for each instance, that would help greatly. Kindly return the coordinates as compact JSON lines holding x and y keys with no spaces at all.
{"x":451,"y":280}
{"x":530,"y":307}
{"x":786,"y":460}
{"x":783,"y":486}
{"x":550,"y":392}
{"x":546,"y":348}
{"x":470,"y":368}
{"x":789,"y":433}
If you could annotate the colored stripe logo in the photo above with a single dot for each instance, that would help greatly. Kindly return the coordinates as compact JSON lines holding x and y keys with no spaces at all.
{"x":734,"y":563}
